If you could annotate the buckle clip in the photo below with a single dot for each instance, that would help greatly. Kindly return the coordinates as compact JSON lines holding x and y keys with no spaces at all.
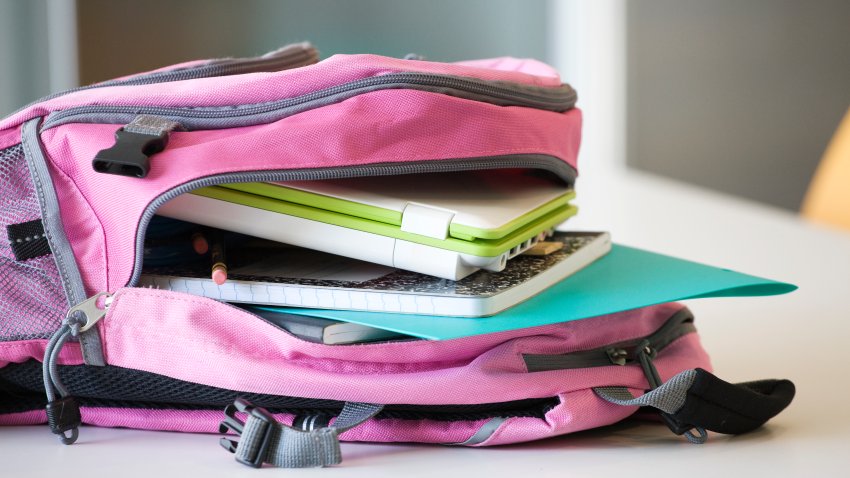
{"x":233,"y":424}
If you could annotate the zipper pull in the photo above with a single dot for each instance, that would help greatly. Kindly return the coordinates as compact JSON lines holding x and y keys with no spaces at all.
{"x":134,"y":145}
{"x":645,"y":352}
{"x":91,"y":309}
{"x":617,"y":356}
{"x":63,"y":411}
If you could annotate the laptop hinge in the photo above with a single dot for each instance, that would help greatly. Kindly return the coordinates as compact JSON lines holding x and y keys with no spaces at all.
{"x":426,"y":221}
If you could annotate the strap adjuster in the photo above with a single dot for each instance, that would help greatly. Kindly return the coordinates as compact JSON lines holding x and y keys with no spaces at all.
{"x":231,"y":423}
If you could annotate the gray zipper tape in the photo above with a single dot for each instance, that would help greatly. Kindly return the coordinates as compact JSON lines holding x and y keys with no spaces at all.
{"x":290,"y":56}
{"x":530,"y":161}
{"x":678,"y":325}
{"x":72,"y":281}
{"x":557,"y":99}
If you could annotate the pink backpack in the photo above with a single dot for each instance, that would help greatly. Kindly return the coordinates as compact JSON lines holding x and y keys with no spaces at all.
{"x":83,"y":172}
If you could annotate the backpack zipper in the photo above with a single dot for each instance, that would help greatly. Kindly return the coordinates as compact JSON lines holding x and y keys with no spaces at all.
{"x":500,"y":93}
{"x":639,"y":351}
{"x":285,"y":58}
{"x":553,"y":99}
{"x":556,"y":99}
{"x":185,"y":395}
{"x":543,"y":162}
{"x":636,"y":351}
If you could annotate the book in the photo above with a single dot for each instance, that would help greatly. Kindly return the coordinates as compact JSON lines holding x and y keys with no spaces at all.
{"x":325,"y":331}
{"x":269,"y":273}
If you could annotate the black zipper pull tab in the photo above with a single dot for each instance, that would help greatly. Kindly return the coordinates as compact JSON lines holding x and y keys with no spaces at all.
{"x":134,"y":145}
{"x":63,"y":415}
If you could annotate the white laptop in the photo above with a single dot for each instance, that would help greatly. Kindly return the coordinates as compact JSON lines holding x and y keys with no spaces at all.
{"x":443,"y":224}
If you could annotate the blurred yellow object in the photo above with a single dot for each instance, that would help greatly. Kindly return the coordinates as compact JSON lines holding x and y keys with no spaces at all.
{"x":828,"y":198}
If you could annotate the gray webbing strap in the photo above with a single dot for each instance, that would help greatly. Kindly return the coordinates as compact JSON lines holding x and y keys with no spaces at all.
{"x":669,"y":397}
{"x":151,"y":125}
{"x":264,"y":440}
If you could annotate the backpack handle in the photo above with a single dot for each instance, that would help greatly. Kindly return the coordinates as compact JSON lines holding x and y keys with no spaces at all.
{"x":696,"y":399}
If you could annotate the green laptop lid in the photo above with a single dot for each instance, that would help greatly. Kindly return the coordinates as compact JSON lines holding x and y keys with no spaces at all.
{"x":490,"y":204}
{"x":478,"y":247}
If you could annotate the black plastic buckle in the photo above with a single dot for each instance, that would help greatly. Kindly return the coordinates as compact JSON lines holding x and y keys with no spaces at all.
{"x":231,"y":423}
{"x":64,"y":415}
{"x":130,"y":155}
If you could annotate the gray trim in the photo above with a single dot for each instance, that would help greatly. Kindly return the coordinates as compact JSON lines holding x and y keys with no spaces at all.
{"x":151,"y":125}
{"x":557,"y":99}
{"x":288,"y":447}
{"x":284,"y":58}
{"x":287,"y":57}
{"x":669,"y":397}
{"x":66,"y":264}
{"x":623,"y":353}
{"x":92,"y":347}
{"x":484,"y":433}
{"x":531,"y":161}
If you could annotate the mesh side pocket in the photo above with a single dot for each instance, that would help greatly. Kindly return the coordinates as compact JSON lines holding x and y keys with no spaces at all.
{"x":32,"y":301}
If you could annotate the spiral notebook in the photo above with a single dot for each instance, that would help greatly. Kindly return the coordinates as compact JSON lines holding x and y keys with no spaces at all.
{"x":270,"y":273}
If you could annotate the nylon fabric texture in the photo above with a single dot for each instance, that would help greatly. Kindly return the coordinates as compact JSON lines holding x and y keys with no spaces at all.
{"x":32,"y":302}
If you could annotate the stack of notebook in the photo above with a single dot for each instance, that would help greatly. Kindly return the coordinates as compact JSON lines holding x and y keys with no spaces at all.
{"x":433,"y":256}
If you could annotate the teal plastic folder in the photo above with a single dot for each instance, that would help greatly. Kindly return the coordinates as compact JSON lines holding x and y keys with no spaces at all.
{"x":626,"y":278}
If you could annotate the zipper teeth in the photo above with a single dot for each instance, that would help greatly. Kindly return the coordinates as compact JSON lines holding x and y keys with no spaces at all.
{"x":321,"y":174}
{"x":560,"y":99}
{"x":680,"y":324}
{"x":201,"y":71}
{"x":217,"y":68}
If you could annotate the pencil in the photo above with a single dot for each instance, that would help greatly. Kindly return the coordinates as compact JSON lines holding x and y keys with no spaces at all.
{"x":219,"y":261}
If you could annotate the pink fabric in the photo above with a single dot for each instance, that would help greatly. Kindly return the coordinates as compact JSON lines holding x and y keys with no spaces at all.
{"x":264,"y":87}
{"x":193,"y":338}
{"x":33,"y":417}
{"x":523,"y":65}
{"x":579,"y":410}
{"x":203,"y":341}
{"x":100,"y":212}
{"x":10,"y":137}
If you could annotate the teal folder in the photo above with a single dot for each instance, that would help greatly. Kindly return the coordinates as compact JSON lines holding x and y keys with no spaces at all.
{"x":626,"y":278}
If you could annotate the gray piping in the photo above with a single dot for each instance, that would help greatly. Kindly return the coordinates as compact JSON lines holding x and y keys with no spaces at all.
{"x":484,"y":433}
{"x":557,"y":99}
{"x":624,"y":353}
{"x":287,"y":57}
{"x":530,"y":161}
{"x":72,"y":281}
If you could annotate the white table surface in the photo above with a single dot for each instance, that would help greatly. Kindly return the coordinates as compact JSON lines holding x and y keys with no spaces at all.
{"x":803,"y":336}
